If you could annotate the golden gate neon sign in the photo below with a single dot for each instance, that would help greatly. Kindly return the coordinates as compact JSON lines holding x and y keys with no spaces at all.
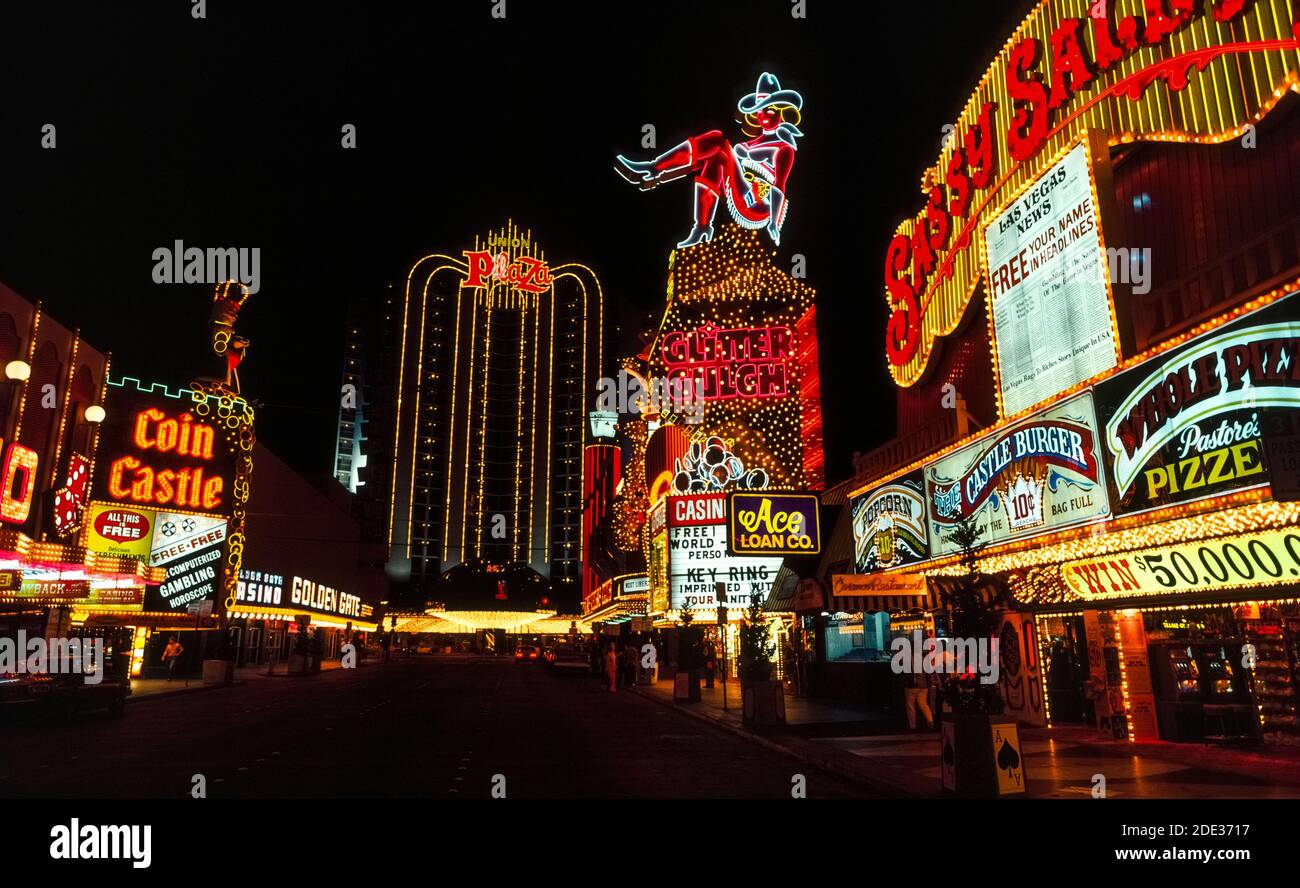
{"x":1071,"y":67}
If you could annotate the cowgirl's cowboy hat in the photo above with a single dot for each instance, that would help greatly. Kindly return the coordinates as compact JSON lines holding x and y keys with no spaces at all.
{"x":768,"y":92}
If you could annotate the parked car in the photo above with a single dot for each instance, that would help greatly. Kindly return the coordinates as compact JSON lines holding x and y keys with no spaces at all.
{"x":571,"y":658}
{"x":527,"y":653}
{"x":63,"y":695}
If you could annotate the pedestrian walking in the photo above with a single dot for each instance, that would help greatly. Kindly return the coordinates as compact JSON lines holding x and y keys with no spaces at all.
{"x":611,"y":668}
{"x":170,"y":655}
{"x":710,"y":664}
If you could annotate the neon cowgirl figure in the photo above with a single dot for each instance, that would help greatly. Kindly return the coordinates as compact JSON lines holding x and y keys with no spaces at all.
{"x":751,"y":175}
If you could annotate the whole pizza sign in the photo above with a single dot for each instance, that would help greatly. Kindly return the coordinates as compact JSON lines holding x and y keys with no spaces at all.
{"x":1186,"y":424}
{"x":1042,"y":473}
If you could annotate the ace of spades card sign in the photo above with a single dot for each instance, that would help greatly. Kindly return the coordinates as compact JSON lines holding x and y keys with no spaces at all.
{"x":1009,"y":758}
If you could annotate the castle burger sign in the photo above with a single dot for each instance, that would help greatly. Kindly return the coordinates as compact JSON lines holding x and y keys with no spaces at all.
{"x":1110,"y":66}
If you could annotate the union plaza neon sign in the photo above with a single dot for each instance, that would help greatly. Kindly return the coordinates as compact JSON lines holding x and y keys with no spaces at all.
{"x":744,"y":362}
{"x":524,"y":273}
{"x":132,"y":479}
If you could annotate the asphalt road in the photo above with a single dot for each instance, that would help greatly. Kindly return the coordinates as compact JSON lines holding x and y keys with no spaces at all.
{"x":425,"y":728}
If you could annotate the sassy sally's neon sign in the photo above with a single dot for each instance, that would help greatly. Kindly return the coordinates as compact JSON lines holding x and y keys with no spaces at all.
{"x":1067,"y":58}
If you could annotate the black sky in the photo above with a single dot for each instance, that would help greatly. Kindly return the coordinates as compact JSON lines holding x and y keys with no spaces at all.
{"x":225,"y":132}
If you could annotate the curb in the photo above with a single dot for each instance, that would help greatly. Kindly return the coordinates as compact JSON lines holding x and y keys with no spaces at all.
{"x":181,"y":691}
{"x":178,"y":692}
{"x":826,"y":758}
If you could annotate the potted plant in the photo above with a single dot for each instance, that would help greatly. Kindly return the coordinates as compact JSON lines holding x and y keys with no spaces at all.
{"x":686,"y":685}
{"x":970,"y":763}
{"x":764,"y":699}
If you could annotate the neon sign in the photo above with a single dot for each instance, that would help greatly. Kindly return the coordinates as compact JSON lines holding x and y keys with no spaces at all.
{"x":131,"y":480}
{"x":747,"y":362}
{"x":525,"y":273}
{"x":751,"y":175}
{"x":1074,"y":66}
{"x":19,"y":473}
{"x":70,"y":499}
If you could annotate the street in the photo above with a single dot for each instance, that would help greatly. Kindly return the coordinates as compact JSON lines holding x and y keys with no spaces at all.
{"x":425,"y":727}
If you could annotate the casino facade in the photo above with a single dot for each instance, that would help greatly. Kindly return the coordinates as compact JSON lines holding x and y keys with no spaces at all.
{"x":498,"y":351}
{"x":1094,"y":330}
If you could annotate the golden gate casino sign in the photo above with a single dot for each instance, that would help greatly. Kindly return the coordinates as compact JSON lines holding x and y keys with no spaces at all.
{"x":1128,"y":70}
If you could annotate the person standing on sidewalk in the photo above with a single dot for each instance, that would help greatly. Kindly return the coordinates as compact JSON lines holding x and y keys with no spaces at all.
{"x":611,"y":668}
{"x":916,"y":697}
{"x":170,"y":655}
{"x":629,"y":665}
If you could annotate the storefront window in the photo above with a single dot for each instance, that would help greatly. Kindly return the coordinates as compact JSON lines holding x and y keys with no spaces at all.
{"x":860,"y":638}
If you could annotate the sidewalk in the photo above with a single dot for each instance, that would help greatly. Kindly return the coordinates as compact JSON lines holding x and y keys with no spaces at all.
{"x":1059,"y":762}
{"x":143,"y":689}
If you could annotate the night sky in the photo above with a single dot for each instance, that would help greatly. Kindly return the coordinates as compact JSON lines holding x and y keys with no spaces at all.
{"x":226,"y":132}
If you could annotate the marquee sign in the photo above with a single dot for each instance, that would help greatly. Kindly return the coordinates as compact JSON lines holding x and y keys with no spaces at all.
{"x":698,"y":557}
{"x":1040,"y":474}
{"x":889,"y":525}
{"x":1187,"y":423}
{"x":1131,"y":69}
{"x":1267,"y":557}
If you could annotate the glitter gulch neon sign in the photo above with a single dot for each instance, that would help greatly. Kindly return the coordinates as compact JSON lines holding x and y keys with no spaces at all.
{"x":744,"y":362}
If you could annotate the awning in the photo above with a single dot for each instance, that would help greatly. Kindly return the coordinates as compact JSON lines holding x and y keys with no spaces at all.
{"x":781,"y":598}
{"x":929,"y":599}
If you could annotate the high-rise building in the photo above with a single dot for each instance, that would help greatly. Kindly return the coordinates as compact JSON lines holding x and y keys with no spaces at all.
{"x":349,"y":452}
{"x":498,"y":357}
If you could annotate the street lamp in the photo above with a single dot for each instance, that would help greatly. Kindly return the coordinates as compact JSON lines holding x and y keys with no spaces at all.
{"x":94,"y":413}
{"x":18,"y":371}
